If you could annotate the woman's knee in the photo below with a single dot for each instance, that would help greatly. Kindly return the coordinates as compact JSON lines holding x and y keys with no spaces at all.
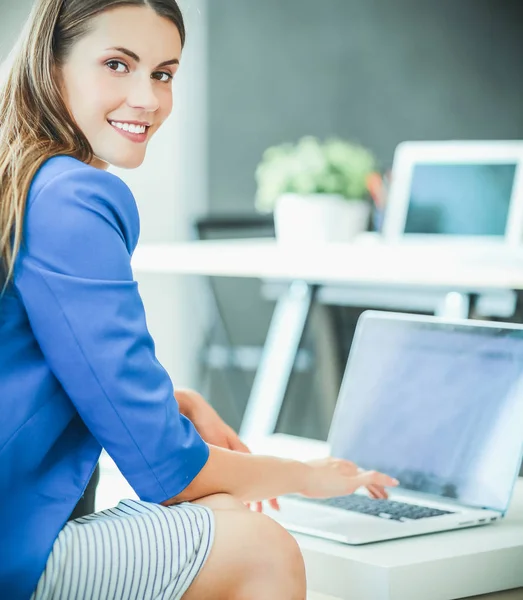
{"x":247,"y":547}
{"x":281,"y":550}
{"x":268,"y":540}
{"x":273,"y":563}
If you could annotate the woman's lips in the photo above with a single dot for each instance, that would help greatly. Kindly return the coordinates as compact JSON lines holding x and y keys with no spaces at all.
{"x":134,"y":137}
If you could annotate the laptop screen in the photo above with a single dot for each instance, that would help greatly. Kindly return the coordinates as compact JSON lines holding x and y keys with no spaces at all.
{"x":438,"y":406}
{"x":460,"y":199}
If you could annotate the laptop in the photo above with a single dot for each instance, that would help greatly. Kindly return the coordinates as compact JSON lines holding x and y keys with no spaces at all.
{"x":464,"y":194}
{"x":438,"y":405}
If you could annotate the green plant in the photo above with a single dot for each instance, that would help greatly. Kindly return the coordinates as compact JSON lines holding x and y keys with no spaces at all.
{"x":313,"y":167}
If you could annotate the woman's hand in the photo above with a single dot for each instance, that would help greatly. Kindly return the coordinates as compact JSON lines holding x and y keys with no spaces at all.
{"x":212,"y":428}
{"x":207,"y":421}
{"x":329,"y":477}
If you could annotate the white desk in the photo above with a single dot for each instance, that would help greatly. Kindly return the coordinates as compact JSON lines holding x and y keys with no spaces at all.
{"x":369,"y":269}
{"x":378,"y":264}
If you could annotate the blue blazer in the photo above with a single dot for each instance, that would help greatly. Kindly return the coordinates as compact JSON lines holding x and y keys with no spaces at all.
{"x":78,"y":371}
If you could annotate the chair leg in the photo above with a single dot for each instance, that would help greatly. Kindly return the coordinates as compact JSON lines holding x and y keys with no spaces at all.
{"x":86,"y":503}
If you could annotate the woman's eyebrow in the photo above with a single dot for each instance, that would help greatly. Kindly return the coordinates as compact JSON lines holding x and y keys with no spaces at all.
{"x":134,"y":56}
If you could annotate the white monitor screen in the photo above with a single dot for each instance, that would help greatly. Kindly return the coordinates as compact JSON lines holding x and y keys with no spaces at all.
{"x":438,"y":407}
{"x":460,"y":199}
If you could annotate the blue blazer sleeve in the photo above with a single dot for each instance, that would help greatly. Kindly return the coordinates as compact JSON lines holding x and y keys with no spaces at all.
{"x":75,"y":280}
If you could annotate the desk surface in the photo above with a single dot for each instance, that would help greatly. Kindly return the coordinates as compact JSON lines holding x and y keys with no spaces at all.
{"x":378,"y":264}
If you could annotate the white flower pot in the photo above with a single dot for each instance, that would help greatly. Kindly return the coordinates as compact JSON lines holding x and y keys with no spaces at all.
{"x":319,"y":218}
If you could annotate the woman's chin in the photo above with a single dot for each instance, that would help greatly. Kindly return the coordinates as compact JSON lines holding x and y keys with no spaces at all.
{"x":121,"y":161}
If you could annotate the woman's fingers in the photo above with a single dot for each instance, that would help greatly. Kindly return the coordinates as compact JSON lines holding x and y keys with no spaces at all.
{"x":378,"y":492}
{"x":374,"y":478}
{"x":258,"y":506}
{"x":236,"y":444}
{"x":273,"y":503}
{"x":373,"y":492}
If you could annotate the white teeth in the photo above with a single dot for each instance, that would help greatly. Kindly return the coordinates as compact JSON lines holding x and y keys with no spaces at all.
{"x":129,"y":127}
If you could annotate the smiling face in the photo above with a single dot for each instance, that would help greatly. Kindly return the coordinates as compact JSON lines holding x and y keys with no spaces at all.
{"x":117,"y":82}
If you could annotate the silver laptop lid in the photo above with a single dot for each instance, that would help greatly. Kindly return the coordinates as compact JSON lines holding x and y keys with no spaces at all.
{"x":437,"y":404}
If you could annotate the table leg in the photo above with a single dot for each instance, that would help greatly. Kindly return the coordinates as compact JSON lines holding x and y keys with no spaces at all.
{"x":279,"y":353}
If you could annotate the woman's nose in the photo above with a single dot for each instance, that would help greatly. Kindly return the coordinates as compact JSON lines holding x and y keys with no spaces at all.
{"x":142,"y":95}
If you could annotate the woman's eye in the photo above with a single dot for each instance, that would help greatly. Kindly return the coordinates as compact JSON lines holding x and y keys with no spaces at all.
{"x":164,"y":74}
{"x":114,"y":64}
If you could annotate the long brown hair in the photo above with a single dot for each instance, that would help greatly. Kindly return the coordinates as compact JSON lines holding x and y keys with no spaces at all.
{"x":34,"y":121}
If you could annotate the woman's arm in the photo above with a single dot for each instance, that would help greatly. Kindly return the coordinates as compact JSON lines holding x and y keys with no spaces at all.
{"x":251,"y":478}
{"x":245,"y":476}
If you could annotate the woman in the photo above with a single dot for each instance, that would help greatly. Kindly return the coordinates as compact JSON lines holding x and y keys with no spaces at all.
{"x":90,"y":84}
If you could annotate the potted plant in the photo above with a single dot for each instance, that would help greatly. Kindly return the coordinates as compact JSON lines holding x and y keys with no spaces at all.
{"x":317,"y":190}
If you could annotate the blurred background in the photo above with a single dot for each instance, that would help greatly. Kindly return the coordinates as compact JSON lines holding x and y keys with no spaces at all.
{"x":258,"y":74}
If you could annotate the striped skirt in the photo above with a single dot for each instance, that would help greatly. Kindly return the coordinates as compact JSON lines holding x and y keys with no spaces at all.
{"x":135,"y":551}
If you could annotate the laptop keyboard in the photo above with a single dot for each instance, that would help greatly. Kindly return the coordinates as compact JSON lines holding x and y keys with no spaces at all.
{"x":385,"y":509}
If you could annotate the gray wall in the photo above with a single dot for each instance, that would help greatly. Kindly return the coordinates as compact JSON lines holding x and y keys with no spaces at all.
{"x":375,"y":71}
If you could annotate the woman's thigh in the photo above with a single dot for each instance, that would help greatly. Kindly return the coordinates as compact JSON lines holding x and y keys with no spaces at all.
{"x":135,"y":551}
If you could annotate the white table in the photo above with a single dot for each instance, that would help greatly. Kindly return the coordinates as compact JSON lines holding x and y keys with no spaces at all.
{"x":455,"y":277}
{"x":471,"y":270}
